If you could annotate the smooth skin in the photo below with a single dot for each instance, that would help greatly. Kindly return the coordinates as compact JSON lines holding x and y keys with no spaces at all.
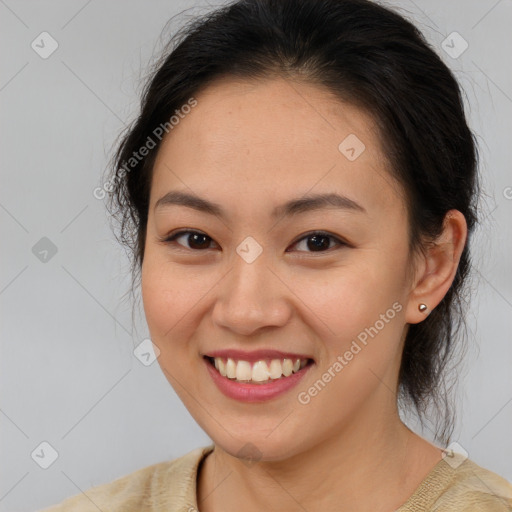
{"x":250,"y":147}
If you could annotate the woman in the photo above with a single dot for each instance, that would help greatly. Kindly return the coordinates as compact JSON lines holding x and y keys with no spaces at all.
{"x":299,"y":192}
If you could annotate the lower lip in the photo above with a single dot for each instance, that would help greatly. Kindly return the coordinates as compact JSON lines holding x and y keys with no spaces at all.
{"x":255,"y":392}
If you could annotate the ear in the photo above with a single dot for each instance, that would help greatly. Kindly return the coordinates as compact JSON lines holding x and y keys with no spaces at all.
{"x":436,"y":269}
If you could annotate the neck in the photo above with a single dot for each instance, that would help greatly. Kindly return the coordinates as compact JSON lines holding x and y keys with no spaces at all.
{"x":373,"y":467}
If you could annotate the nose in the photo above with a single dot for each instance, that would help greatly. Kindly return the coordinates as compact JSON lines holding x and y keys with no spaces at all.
{"x":250,"y":298}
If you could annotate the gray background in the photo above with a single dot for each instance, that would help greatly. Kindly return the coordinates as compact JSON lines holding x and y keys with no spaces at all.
{"x":68,"y":373}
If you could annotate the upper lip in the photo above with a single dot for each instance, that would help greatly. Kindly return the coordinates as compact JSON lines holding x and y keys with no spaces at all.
{"x":255,"y":355}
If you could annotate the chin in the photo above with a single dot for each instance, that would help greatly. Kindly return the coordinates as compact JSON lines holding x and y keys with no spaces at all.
{"x":252,"y":447}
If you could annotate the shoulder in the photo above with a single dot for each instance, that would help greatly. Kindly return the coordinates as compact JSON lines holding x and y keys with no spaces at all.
{"x":473,"y":487}
{"x":163,"y":486}
{"x":457,"y":484}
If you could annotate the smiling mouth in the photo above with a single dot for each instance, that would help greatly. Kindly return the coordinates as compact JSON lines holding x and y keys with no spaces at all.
{"x":258,"y":372}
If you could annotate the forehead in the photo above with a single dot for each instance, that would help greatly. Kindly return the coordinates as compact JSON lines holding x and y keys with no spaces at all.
{"x":274,"y":137}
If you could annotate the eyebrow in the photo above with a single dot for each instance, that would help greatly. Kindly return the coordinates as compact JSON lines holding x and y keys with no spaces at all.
{"x":295,"y":206}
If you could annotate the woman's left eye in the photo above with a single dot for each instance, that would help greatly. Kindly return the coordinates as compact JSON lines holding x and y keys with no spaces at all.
{"x":316,"y":241}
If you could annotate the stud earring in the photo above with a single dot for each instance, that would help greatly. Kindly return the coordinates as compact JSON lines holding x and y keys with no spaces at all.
{"x":422,"y":308}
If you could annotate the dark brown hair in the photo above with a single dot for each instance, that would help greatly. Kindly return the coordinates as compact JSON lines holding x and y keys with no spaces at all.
{"x":365,"y":54}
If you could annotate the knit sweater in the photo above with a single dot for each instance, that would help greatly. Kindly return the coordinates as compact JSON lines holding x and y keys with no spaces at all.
{"x":455,"y":484}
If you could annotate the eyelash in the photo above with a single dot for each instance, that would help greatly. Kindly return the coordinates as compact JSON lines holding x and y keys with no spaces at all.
{"x":171,"y":238}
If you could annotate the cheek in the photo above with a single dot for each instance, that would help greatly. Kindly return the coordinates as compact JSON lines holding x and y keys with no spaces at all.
{"x":360,"y":323}
{"x":351,"y":297}
{"x":171,"y":298}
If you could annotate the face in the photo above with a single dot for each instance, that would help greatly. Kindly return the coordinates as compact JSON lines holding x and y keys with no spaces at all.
{"x":324,"y":282}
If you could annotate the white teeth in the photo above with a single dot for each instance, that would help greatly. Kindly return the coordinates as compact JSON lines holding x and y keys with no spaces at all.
{"x":276,"y":369}
{"x":260,"y":371}
{"x":243,"y":370}
{"x":287,"y":367}
{"x":231,"y":369}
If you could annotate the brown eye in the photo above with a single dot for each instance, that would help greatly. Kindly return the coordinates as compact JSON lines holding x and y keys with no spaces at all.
{"x":195,"y":239}
{"x":318,"y":241}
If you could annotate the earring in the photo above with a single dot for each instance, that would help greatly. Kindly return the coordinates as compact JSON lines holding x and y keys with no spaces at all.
{"x":422,"y":308}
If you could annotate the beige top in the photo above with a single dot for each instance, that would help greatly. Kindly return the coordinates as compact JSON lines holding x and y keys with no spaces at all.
{"x":454,"y":484}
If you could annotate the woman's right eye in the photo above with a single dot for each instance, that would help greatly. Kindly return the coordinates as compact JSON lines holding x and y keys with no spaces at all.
{"x":195,"y":239}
